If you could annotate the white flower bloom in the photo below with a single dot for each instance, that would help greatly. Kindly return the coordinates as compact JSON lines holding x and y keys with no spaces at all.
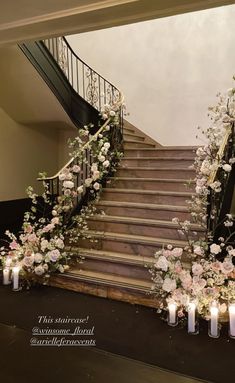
{"x":68,"y":184}
{"x":96,"y":175}
{"x":215,"y":249}
{"x":107,"y":145}
{"x":197,"y":269}
{"x":44,"y":244}
{"x":54,"y":213}
{"x":162,"y":263}
{"x":76,"y":169}
{"x":94,"y":167}
{"x":88,"y":182}
{"x":169,"y":284}
{"x":106,"y":163}
{"x":53,"y":255}
{"x":101,"y":158}
{"x":198,"y":250}
{"x":38,"y":258}
{"x":227,"y":168}
{"x":80,"y":189}
{"x":59,"y":243}
{"x":28,"y":261}
{"x":227,"y":267}
{"x":112,"y":113}
{"x":230,"y":92}
{"x":96,"y":186}
{"x":39,"y":270}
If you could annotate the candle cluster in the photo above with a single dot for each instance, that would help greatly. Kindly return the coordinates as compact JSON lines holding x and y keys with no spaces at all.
{"x":11,"y":274}
{"x":214,"y":326}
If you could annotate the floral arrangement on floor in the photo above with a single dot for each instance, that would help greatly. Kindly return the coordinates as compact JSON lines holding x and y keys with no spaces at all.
{"x":50,"y":227}
{"x":203,"y":271}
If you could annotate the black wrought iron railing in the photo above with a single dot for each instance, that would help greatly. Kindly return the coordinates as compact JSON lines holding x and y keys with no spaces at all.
{"x":219,"y":203}
{"x":89,"y":84}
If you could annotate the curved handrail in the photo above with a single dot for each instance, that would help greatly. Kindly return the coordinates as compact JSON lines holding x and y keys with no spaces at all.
{"x":70,"y":162}
{"x":86,"y":82}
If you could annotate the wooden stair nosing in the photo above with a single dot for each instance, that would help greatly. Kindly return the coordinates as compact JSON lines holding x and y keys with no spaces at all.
{"x":109,"y":279}
{"x":142,"y":179}
{"x":151,"y":192}
{"x":124,"y":167}
{"x":146,"y":206}
{"x":111,"y":256}
{"x":141,"y":221}
{"x":140,"y":239}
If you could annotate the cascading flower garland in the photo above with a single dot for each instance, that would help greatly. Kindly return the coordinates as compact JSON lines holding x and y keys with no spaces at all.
{"x":202,"y":272}
{"x":50,"y":227}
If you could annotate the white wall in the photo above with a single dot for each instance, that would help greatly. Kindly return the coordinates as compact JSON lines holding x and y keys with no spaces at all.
{"x":169,"y":69}
{"x":27,"y":150}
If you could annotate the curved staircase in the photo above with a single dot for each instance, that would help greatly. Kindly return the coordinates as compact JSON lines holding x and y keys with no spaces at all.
{"x":148,"y":190}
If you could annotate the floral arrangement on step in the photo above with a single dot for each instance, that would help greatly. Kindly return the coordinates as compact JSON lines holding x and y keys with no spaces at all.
{"x":43,"y":247}
{"x":203,"y":271}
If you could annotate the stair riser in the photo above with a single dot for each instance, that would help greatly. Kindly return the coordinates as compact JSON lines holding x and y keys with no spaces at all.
{"x":128,"y":130}
{"x":133,"y":137}
{"x":145,"y":198}
{"x":148,"y":173}
{"x":156,"y":163}
{"x":119,"y":246}
{"x":150,"y":185}
{"x":128,"y":228}
{"x":160,"y":153}
{"x":137,"y":145}
{"x":144,"y":213}
{"x":125,"y":270}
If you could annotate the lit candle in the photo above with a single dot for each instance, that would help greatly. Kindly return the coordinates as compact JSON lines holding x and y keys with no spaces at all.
{"x":191,"y":317}
{"x":214,"y":331}
{"x":231,"y":311}
{"x":6,"y":276}
{"x":172,"y":320}
{"x":15,"y":272}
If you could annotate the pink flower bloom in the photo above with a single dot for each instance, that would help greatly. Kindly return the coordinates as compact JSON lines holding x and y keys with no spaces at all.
{"x":197,"y":269}
{"x":14,"y":245}
{"x":53,"y":255}
{"x":177,"y":252}
{"x":32,"y":238}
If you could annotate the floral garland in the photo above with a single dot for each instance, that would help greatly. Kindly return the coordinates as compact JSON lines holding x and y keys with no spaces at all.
{"x":42,"y":248}
{"x":202,"y":272}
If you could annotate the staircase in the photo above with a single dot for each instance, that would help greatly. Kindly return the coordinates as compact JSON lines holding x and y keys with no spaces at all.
{"x":148,"y":190}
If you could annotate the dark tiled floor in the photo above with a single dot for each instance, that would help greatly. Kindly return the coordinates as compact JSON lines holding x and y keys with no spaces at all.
{"x":119,"y":328}
{"x":21,"y":362}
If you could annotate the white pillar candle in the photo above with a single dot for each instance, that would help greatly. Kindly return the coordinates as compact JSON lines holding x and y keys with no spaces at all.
{"x":6,"y":276}
{"x":231,"y":311}
{"x":192,"y":317}
{"x":15,"y":272}
{"x":214,"y":331}
{"x":172,"y":314}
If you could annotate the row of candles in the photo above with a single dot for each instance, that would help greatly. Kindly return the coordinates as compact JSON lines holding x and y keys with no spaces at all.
{"x":11,"y":274}
{"x":214,"y":328}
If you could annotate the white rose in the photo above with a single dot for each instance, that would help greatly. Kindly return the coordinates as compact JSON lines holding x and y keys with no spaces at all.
{"x":169,"y":284}
{"x":215,"y":249}
{"x":68,"y":184}
{"x":80,"y":189}
{"x":88,"y":182}
{"x":107,"y":145}
{"x":39,"y":270}
{"x":96,"y":175}
{"x":96,"y":186}
{"x":197,"y":269}
{"x":227,"y":168}
{"x":198,"y":250}
{"x":101,"y":158}
{"x":227,"y":267}
{"x":76,"y":168}
{"x":162,"y":263}
{"x":112,"y":113}
{"x":28,"y":261}
{"x":38,"y":258}
{"x":106,"y":163}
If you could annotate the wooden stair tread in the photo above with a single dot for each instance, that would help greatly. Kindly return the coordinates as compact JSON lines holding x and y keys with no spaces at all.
{"x":140,"y":239}
{"x":141,"y":205}
{"x":113,"y":256}
{"x":111,"y":279}
{"x":153,"y":168}
{"x":151,"y":192}
{"x":162,"y":148}
{"x":181,"y":180}
{"x":140,"y":221}
{"x":170,"y":158}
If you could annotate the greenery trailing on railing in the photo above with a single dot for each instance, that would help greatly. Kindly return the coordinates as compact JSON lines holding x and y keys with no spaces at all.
{"x":42,"y":247}
{"x":203,"y":271}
